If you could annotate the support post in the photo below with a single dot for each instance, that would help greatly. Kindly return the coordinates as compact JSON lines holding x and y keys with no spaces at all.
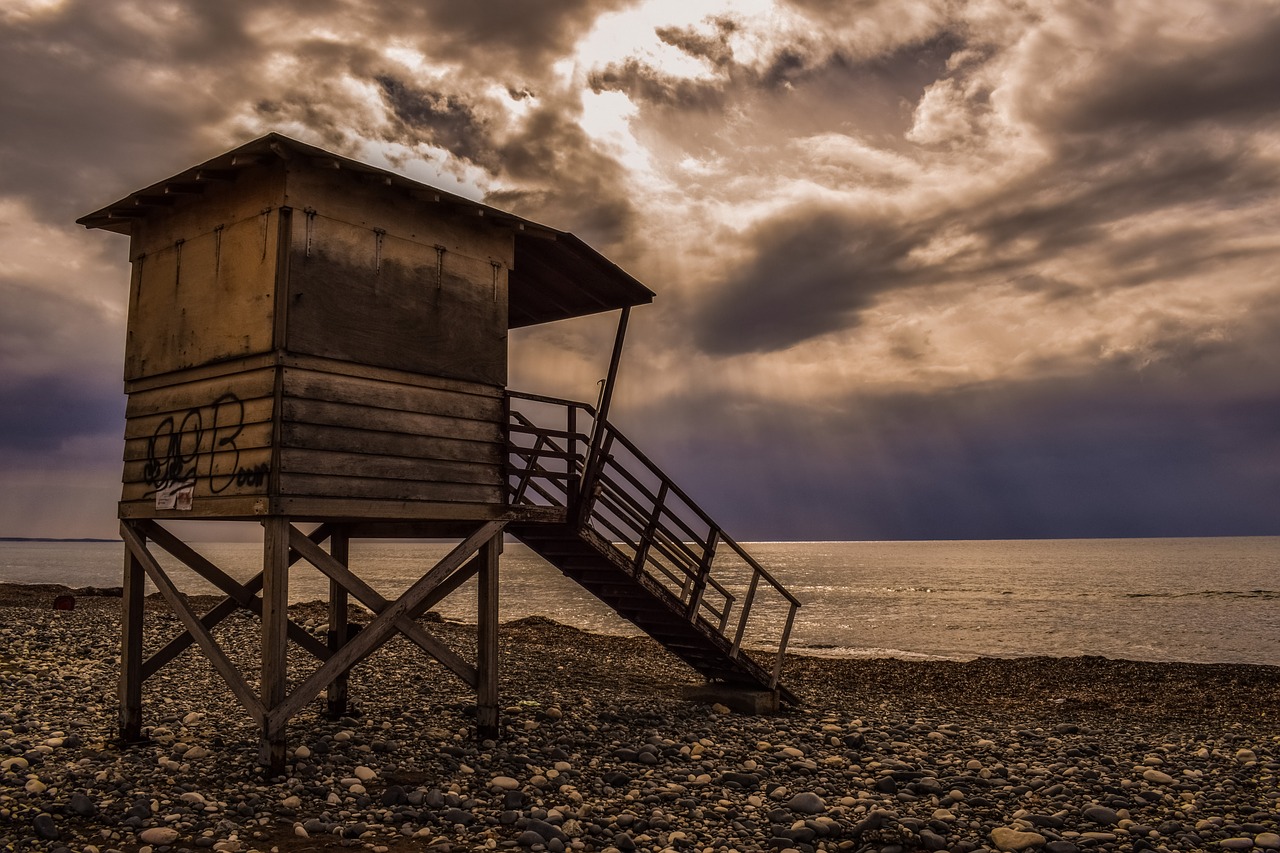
{"x":340,"y":550}
{"x":132,"y":604}
{"x":487,"y":640}
{"x":602,"y":414}
{"x":275,"y":602}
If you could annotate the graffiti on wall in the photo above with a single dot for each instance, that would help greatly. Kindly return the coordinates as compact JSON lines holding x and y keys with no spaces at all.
{"x":199,"y":445}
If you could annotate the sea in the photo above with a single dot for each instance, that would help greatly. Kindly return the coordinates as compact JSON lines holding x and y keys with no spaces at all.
{"x":1200,"y":600}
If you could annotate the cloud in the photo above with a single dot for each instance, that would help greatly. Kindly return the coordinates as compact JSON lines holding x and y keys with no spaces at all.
{"x":811,"y":273}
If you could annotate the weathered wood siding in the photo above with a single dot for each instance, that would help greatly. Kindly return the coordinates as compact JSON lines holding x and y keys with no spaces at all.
{"x":355,"y":432}
{"x":203,"y":286}
{"x":208,"y":431}
{"x":379,"y":278}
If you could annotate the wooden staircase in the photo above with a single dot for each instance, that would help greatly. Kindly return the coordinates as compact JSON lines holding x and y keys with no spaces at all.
{"x":636,"y":541}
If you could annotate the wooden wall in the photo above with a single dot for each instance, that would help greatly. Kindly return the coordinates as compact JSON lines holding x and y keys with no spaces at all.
{"x":377,"y":277}
{"x":206,"y":432}
{"x":372,"y":439}
{"x":203,"y":286}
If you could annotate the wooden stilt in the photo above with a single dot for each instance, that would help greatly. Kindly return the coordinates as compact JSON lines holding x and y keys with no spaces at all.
{"x":275,"y":675}
{"x":487,"y":640}
{"x":131,"y":649}
{"x":339,"y":549}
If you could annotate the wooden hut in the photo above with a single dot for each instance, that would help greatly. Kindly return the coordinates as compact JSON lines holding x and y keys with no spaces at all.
{"x":315,"y":340}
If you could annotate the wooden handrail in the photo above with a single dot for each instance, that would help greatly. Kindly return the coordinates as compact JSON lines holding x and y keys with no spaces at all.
{"x":614,"y":497}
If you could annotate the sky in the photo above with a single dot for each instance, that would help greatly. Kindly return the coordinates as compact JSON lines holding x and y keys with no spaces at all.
{"x":966,"y":269}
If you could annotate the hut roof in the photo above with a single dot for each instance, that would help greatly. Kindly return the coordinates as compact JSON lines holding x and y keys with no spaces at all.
{"x":555,"y":275}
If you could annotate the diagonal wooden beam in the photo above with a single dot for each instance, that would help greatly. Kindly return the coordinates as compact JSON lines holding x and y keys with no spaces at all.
{"x":370,"y":597}
{"x":201,"y":565}
{"x":210,"y":620}
{"x":221,"y":611}
{"x":381,"y":628}
{"x":208,"y":645}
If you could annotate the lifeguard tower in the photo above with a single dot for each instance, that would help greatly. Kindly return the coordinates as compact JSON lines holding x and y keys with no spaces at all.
{"x":312,"y":340}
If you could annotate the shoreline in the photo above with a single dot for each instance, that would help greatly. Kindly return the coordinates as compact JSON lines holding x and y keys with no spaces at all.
{"x":600,"y":750}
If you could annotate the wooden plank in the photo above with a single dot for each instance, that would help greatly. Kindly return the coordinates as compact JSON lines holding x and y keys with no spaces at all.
{"x":232,"y":472}
{"x":196,"y":393}
{"x":207,"y":644}
{"x":131,"y":648}
{"x":338,"y":694}
{"x":380,"y":394}
{"x":246,"y":507}
{"x":385,"y":374}
{"x":203,"y":372}
{"x":487,"y":640}
{"x":250,"y":437}
{"x":383,"y":420}
{"x":370,"y":466}
{"x":390,"y":490}
{"x":275,"y":615}
{"x":371,"y":598}
{"x":358,"y":509}
{"x":203,"y":419}
{"x":383,"y":625}
{"x":356,"y":440}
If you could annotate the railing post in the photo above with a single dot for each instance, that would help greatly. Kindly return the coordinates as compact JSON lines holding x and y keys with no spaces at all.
{"x":528,"y":471}
{"x":642,"y":551}
{"x":602,"y":415}
{"x":782,"y":647}
{"x":746,"y":611}
{"x":704,"y":569}
{"x":573,"y":480}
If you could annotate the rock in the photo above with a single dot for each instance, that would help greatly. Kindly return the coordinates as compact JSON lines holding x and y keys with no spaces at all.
{"x":35,"y":786}
{"x":80,"y":804}
{"x":1236,"y":843}
{"x":302,"y":752}
{"x":1267,"y":841}
{"x":158,"y":835}
{"x":1246,"y":756}
{"x":195,"y":753}
{"x":1101,"y":815}
{"x":364,"y":774}
{"x":1155,"y":777}
{"x":504,"y":783}
{"x":45,"y":828}
{"x":807,"y":803}
{"x":1012,"y":840}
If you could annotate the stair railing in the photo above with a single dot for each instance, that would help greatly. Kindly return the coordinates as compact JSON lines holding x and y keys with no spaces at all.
{"x":626,"y":500}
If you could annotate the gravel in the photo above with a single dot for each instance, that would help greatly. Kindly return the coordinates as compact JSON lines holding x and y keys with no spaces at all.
{"x":600,"y":751}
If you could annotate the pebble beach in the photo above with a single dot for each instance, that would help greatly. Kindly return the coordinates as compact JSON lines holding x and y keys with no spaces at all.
{"x":601,"y":751}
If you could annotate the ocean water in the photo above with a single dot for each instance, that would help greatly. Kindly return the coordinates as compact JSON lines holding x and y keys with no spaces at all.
{"x":1197,"y":600}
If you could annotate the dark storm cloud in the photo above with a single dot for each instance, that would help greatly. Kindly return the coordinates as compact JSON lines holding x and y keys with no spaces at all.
{"x":532,"y":30}
{"x":559,"y":176}
{"x":1228,"y":81}
{"x":444,"y":120}
{"x":42,"y":414}
{"x":1062,"y":459}
{"x":714,"y":47}
{"x":812,"y":271}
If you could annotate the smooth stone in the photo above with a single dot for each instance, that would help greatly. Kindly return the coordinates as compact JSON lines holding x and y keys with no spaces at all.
{"x":1012,"y":840}
{"x":194,"y":753}
{"x":1245,"y":756}
{"x":364,"y":774}
{"x":158,"y":835}
{"x":82,"y":805}
{"x":302,"y":752}
{"x":45,"y":828}
{"x":503,"y":783}
{"x":1267,"y":840}
{"x":807,"y":803}
{"x":1155,"y":777}
{"x":1101,"y":815}
{"x":1236,"y":843}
